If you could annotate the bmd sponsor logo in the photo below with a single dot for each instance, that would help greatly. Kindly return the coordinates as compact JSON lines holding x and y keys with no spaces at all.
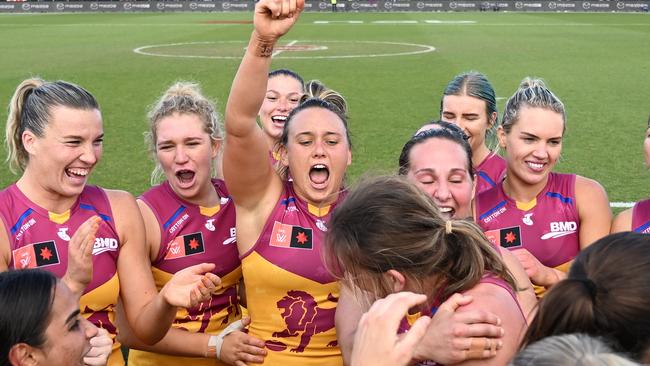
{"x":104,"y":245}
{"x":560,"y":229}
{"x":60,"y":6}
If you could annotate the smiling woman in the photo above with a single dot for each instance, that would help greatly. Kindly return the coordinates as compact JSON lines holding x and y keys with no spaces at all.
{"x":88,"y":235}
{"x":40,"y":322}
{"x":544,"y":218}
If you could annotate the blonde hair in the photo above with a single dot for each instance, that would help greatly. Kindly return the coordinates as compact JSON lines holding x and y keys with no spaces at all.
{"x":532,"y":93}
{"x":183,"y":98}
{"x":30,"y":110}
{"x":388,"y":223}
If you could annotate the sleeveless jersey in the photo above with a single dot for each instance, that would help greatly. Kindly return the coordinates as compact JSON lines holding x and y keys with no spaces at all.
{"x":291,"y":295}
{"x":192,"y":235}
{"x":39,"y":239}
{"x":489,"y":172}
{"x":641,"y":217}
{"x":548,"y":228}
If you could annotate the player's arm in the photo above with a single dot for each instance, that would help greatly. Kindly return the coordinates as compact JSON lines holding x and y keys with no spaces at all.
{"x":593,"y":209}
{"x":525,"y":292}
{"x":5,"y":248}
{"x":149,"y":312}
{"x":622,"y":221}
{"x":348,"y":312}
{"x":496,"y":300}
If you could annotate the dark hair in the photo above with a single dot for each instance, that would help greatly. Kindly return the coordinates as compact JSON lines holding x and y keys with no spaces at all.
{"x":476,"y":85}
{"x":26,"y":298}
{"x":439,"y":129}
{"x":289,"y":73}
{"x":327,"y":99}
{"x":30,"y":108}
{"x":605,"y":295}
{"x":388,"y":223}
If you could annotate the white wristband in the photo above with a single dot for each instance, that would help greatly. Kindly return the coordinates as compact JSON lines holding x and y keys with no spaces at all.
{"x":216,"y":341}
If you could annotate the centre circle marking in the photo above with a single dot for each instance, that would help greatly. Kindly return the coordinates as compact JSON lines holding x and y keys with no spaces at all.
{"x":299,"y":45}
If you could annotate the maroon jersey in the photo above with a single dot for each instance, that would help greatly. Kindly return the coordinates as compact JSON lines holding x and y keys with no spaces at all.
{"x":547,"y":227}
{"x":489,"y":172}
{"x":291,"y":295}
{"x":39,"y":239}
{"x":189,"y":235}
{"x":641,"y":217}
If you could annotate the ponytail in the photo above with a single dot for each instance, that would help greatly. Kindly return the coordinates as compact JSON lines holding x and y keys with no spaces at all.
{"x":560,"y":313}
{"x":16,"y":155}
{"x":29,"y":110}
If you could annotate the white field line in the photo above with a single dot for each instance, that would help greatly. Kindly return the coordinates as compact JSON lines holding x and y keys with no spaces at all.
{"x":420,"y":48}
{"x":621,"y":204}
{"x":275,"y":53}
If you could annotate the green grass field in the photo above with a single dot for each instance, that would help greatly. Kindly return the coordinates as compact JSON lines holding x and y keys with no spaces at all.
{"x":599,"y":65}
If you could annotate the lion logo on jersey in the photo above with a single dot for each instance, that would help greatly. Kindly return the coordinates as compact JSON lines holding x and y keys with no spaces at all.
{"x":304,"y":318}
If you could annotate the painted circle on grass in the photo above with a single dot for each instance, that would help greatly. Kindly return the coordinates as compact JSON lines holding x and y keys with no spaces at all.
{"x":302,"y":49}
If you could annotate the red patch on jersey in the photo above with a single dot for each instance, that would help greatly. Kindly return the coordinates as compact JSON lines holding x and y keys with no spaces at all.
{"x":185,"y":245}
{"x":35,"y":255}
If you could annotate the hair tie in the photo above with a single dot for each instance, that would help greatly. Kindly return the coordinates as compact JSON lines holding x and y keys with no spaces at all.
{"x":448,"y":227}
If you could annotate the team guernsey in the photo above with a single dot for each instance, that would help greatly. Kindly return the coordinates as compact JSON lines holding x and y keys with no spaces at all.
{"x":489,"y":172}
{"x":291,"y":296}
{"x":641,"y":217}
{"x":190,"y":235}
{"x":39,"y":239}
{"x":547,"y":226}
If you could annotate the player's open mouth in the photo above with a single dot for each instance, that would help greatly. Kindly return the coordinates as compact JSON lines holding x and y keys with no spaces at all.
{"x":535,"y":166}
{"x":447,"y":211}
{"x":77,"y":174}
{"x":185,"y":177}
{"x":319,"y":176}
{"x":279,"y":121}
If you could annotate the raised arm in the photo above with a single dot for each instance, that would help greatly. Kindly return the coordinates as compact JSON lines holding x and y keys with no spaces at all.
{"x":247,"y":170}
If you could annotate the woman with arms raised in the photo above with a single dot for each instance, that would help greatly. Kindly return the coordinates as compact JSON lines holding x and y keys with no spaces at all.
{"x":291,"y":296}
